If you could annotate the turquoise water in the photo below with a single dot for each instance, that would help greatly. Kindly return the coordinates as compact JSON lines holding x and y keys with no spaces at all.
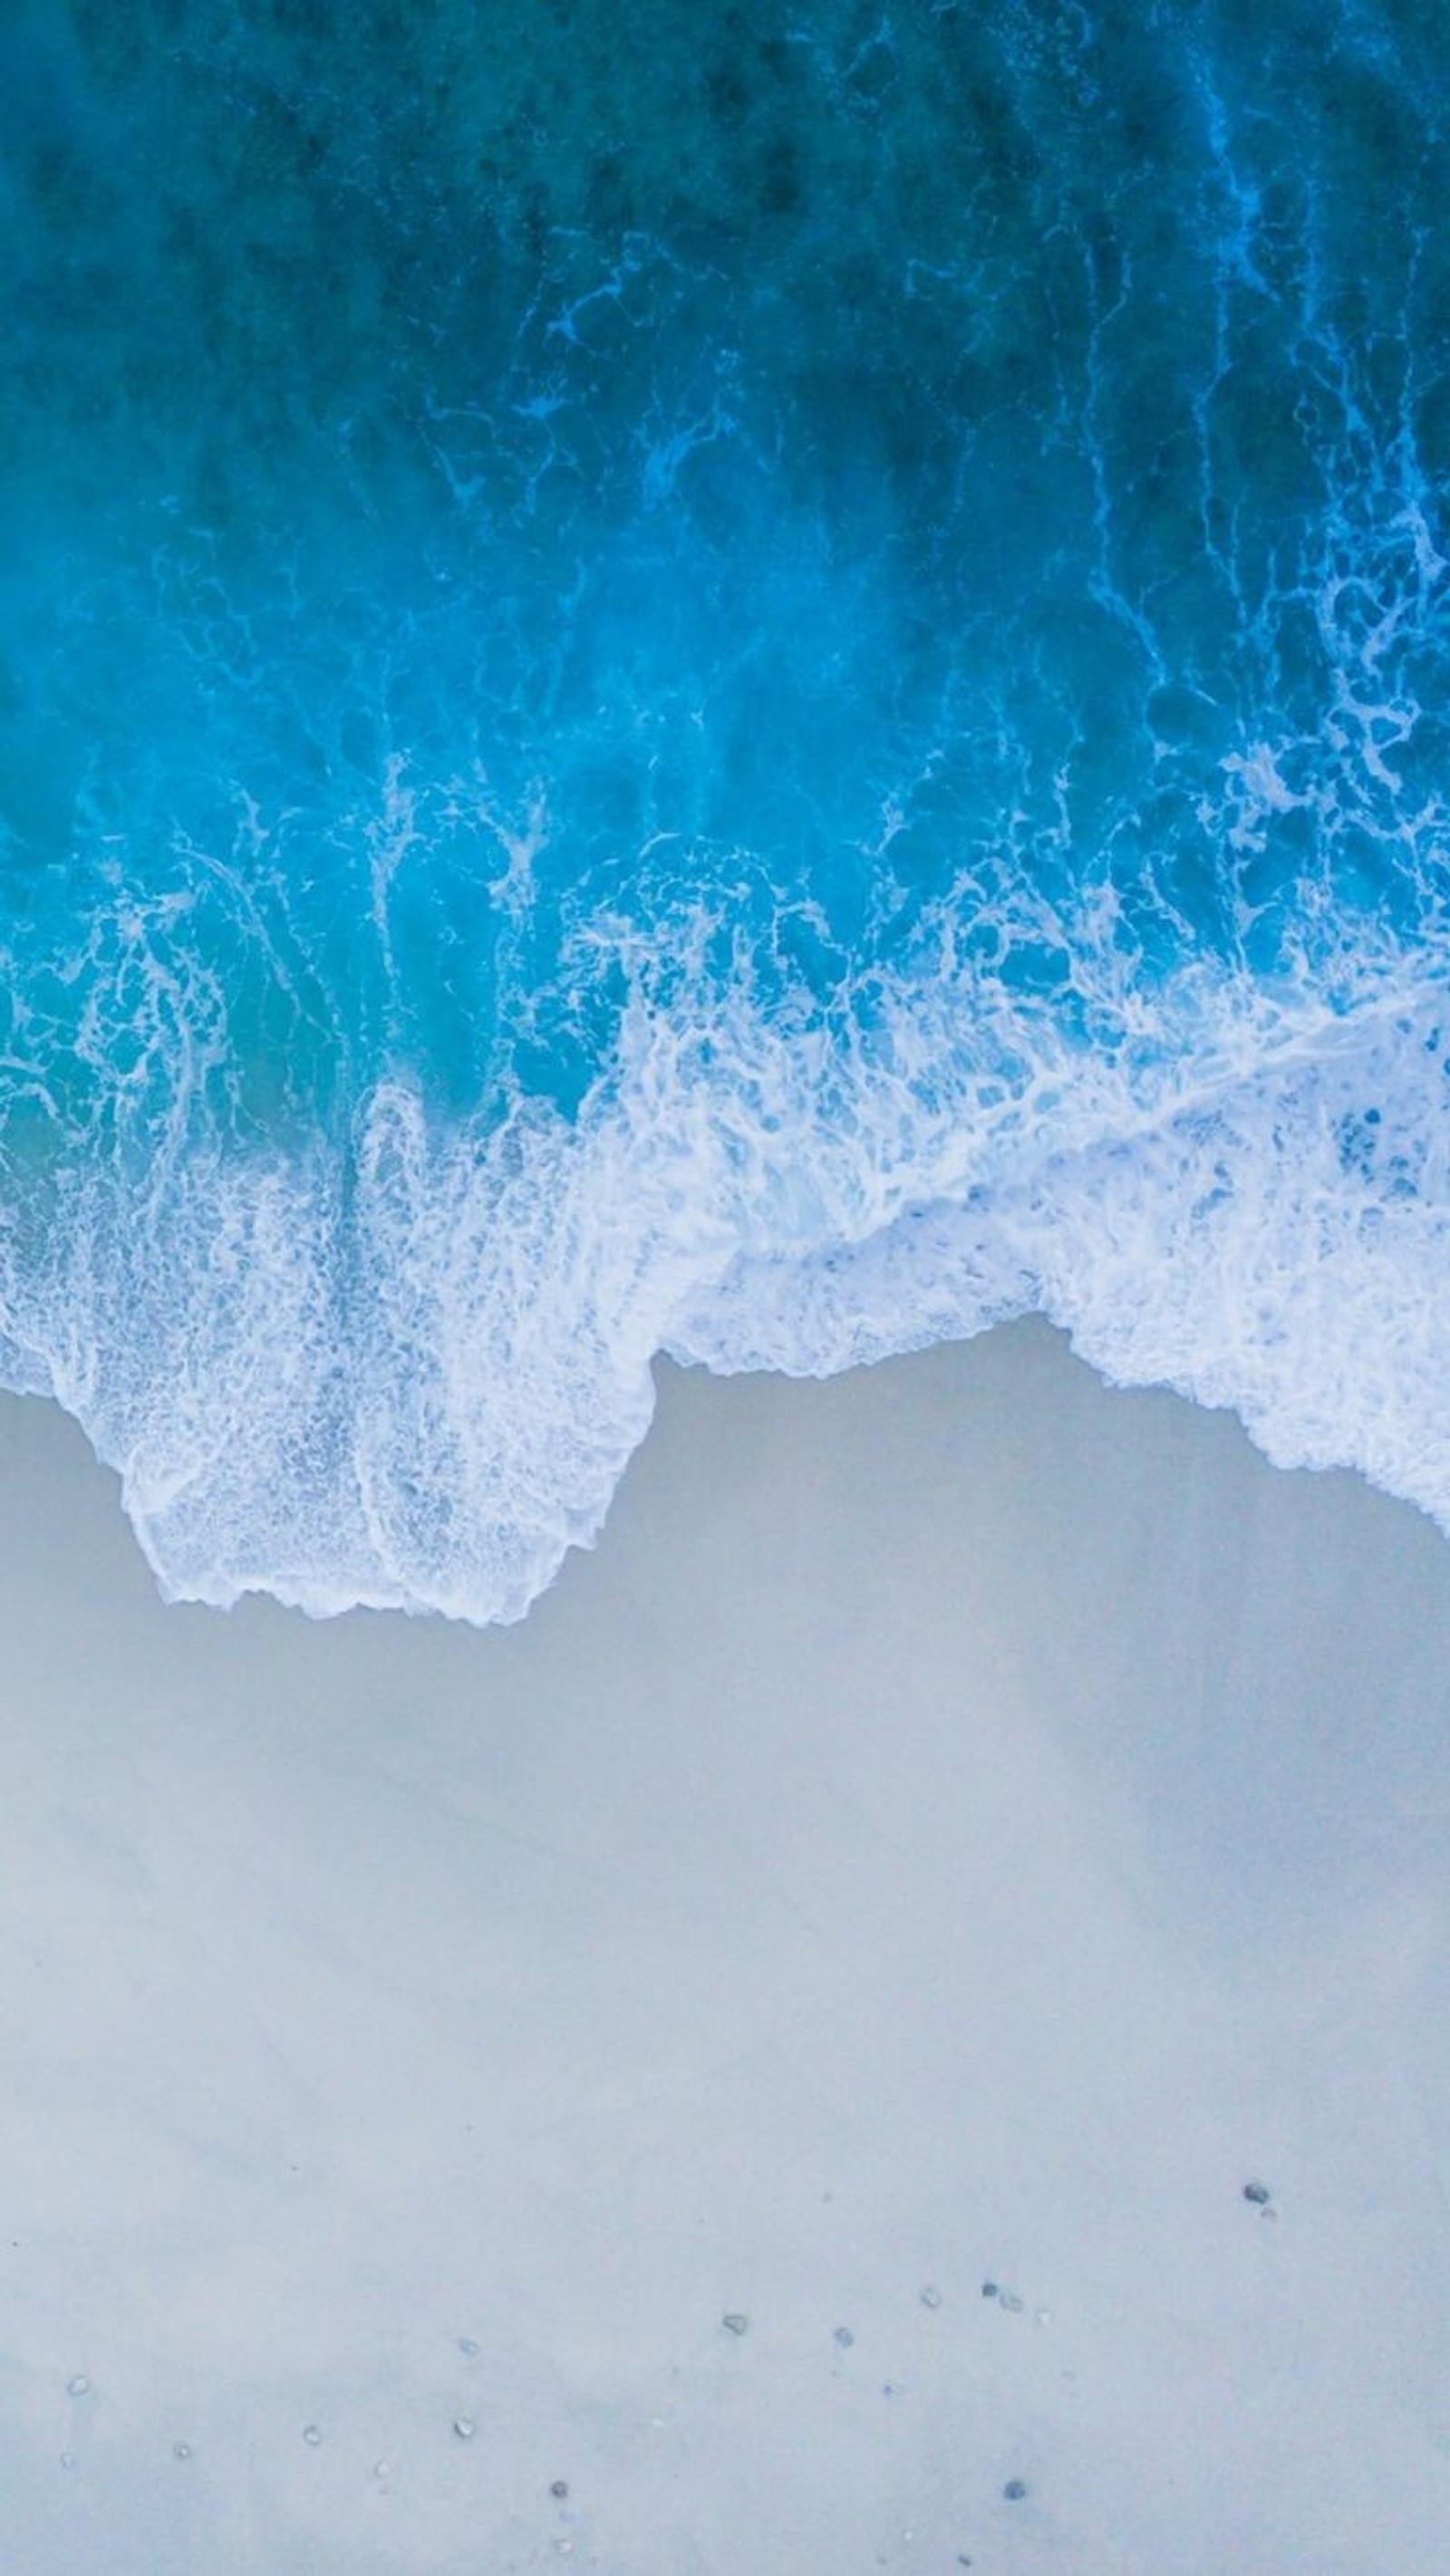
{"x":763,"y":685}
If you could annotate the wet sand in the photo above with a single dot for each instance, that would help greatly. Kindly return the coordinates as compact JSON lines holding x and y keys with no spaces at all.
{"x":962,"y":1826}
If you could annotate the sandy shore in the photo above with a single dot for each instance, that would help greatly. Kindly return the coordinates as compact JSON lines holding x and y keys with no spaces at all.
{"x":961,"y":1826}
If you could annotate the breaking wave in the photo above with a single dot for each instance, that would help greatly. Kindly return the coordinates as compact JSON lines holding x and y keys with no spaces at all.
{"x":768,"y":698}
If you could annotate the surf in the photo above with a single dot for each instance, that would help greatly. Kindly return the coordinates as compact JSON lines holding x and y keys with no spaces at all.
{"x":764,"y":705}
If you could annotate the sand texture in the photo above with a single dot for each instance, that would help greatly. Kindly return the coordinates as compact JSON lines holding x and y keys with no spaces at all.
{"x":962,"y":1826}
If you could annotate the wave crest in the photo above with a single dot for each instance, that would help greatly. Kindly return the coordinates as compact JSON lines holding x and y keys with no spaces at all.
{"x":408,"y":1369}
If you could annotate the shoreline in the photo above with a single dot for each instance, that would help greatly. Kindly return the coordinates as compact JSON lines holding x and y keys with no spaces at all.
{"x":962,"y":1823}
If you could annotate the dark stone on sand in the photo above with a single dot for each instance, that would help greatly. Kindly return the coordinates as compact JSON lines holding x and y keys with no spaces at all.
{"x":844,"y":2337}
{"x":736,"y":2324}
{"x":560,"y":2488}
{"x":1014,"y":2490}
{"x":1257,"y":2192}
{"x":989,"y":2289}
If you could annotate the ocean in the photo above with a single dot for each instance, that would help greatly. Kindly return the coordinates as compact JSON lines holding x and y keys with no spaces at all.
{"x":764,"y":684}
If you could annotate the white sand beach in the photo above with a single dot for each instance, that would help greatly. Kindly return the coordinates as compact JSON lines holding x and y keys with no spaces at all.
{"x":961,"y":1826}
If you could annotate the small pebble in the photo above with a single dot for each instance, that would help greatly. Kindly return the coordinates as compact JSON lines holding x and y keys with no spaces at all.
{"x":463,"y":2427}
{"x":79,"y":2386}
{"x":181,"y":2450}
{"x":989,"y":2289}
{"x":930,"y":2298}
{"x":1257,"y":2192}
{"x":67,"y":2459}
{"x":1009,"y":2300}
{"x":736,"y":2325}
{"x":466,"y":2344}
{"x":382,"y":2468}
{"x":560,"y":2488}
{"x":1014,"y":2490}
{"x":564,"y":2548}
{"x":844,"y":2337}
{"x":312,"y":2435}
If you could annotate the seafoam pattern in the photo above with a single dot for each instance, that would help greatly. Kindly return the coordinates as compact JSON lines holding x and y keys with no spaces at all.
{"x":765,"y":693}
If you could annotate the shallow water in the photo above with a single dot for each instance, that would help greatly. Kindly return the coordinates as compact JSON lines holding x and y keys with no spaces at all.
{"x":765,"y":694}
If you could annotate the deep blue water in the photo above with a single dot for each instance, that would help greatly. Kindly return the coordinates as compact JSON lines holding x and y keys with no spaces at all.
{"x":765,"y":684}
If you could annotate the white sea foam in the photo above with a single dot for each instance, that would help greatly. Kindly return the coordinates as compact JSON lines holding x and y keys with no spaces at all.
{"x":412,"y":1374}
